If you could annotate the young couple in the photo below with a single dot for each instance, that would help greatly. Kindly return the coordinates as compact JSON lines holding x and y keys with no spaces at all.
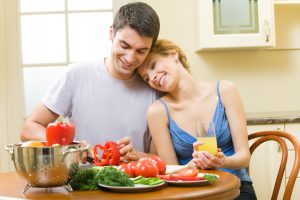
{"x":108,"y":100}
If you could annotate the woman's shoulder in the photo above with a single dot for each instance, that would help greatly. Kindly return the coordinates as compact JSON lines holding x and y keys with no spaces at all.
{"x":157,"y":108}
{"x":226,"y":86}
{"x":228,"y":91}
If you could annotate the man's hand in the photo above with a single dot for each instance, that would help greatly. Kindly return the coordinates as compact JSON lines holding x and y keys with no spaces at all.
{"x":86,"y":154}
{"x":127,"y":150}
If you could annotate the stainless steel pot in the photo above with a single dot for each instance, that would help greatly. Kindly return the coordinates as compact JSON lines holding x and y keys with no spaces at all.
{"x":46,"y":166}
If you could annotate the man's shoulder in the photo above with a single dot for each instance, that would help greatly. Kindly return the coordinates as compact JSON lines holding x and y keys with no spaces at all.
{"x":80,"y":69}
{"x":84,"y":65}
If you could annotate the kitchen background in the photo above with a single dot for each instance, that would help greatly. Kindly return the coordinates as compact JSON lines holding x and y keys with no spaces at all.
{"x":268,"y":79}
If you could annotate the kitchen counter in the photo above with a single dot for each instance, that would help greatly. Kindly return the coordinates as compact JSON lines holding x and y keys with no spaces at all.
{"x":273,"y":117}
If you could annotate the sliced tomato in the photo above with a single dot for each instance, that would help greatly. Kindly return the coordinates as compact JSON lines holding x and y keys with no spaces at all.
{"x":189,"y":178}
{"x":157,"y":161}
{"x":191,"y":172}
{"x":176,"y":177}
{"x":165,"y":177}
{"x":146,"y":169}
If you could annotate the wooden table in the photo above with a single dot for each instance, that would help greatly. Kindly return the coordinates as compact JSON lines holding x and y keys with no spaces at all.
{"x":227,"y":187}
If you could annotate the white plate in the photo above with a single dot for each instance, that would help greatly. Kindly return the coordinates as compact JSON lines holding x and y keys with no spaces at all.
{"x":135,"y":188}
{"x":191,"y":183}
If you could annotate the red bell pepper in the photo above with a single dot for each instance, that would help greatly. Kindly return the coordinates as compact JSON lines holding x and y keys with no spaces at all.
{"x":60,"y":133}
{"x":111,"y":154}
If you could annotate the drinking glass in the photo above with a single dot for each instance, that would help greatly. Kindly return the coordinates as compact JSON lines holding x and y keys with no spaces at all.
{"x":206,"y":133}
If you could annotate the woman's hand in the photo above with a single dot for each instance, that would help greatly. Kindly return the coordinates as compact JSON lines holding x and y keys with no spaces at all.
{"x":127,"y":150}
{"x":204,"y":160}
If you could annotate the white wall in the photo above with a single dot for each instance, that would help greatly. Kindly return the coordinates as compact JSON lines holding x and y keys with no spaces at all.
{"x":11,"y":92}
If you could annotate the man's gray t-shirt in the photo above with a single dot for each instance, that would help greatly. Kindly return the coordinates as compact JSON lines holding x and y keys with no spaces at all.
{"x":102,"y":107}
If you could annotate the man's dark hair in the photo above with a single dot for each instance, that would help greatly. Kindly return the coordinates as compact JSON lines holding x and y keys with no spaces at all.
{"x":140,"y":17}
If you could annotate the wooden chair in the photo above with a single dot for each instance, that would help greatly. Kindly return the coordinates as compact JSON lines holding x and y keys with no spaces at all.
{"x":279,"y":137}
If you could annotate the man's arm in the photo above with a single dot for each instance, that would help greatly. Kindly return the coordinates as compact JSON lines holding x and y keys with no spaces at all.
{"x":34,"y":127}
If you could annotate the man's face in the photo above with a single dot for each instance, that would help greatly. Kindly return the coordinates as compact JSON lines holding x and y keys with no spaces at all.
{"x":129,"y":51}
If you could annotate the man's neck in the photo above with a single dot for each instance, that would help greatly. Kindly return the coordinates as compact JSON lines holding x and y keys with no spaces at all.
{"x":112,"y":70}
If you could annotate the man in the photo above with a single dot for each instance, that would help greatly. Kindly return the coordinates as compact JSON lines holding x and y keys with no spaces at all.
{"x":106,"y":100}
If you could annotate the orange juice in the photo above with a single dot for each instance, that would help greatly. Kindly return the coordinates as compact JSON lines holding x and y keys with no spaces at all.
{"x":210,"y":145}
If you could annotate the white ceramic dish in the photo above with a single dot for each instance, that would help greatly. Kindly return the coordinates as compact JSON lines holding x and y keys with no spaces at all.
{"x":135,"y":188}
{"x":191,"y":183}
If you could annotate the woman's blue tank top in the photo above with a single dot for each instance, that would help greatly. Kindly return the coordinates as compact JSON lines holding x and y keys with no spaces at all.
{"x":183,"y":141}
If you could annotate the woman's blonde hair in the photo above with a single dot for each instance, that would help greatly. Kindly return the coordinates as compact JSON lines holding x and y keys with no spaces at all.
{"x":165,"y":47}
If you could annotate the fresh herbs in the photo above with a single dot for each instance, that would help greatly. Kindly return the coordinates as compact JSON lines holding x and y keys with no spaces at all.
{"x":111,"y":176}
{"x":88,"y":178}
{"x":84,"y":179}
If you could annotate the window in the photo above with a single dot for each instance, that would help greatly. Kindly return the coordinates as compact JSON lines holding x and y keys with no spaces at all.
{"x":55,"y":33}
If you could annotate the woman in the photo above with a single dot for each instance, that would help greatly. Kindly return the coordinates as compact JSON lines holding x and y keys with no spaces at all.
{"x":172,"y":119}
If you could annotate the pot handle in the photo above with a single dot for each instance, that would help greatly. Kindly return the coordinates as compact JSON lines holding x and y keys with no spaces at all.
{"x":10,"y":149}
{"x":72,"y":150}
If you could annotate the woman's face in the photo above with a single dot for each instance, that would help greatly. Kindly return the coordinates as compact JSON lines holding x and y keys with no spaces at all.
{"x":160,"y":71}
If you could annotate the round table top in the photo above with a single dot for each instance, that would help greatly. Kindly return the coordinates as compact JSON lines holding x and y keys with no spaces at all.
{"x":227,"y":187}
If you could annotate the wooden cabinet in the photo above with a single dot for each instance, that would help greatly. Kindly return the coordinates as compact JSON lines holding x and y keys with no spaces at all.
{"x":266,"y":160}
{"x":235,"y":24}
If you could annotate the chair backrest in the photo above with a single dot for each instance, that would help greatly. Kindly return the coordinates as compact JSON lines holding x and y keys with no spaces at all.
{"x":279,"y":137}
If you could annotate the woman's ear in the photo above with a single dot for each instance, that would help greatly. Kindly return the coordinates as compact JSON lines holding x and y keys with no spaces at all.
{"x":174,"y":54}
{"x":111,"y":33}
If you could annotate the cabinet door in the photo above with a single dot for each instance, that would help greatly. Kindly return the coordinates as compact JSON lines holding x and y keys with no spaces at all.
{"x":235,"y":24}
{"x":264,"y":164}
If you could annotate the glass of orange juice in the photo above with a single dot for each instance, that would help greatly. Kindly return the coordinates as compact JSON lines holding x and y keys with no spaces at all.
{"x":206,"y":133}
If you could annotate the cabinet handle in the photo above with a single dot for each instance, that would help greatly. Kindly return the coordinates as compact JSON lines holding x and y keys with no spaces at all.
{"x":267,"y":30}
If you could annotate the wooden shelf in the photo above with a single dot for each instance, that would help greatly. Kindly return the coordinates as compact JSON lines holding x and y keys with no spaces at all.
{"x":287,"y":4}
{"x":286,"y":1}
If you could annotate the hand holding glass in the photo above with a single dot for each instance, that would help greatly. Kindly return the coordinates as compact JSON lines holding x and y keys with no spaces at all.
{"x":206,"y":133}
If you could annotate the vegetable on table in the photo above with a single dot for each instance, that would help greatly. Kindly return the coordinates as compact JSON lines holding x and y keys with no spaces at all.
{"x":146,"y":167}
{"x":89,"y":178}
{"x":210,"y":177}
{"x":111,"y":176}
{"x":157,"y":161}
{"x":126,"y":168}
{"x":60,"y":133}
{"x":191,"y":172}
{"x":111,"y":154}
{"x":32,"y":143}
{"x":147,"y":181}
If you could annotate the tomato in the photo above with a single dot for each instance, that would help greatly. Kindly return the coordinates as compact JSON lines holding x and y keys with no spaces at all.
{"x":157,"y":161}
{"x":132,"y":165}
{"x":60,"y":133}
{"x":146,"y":169}
{"x":111,"y":154}
{"x":191,"y":172}
{"x":124,"y":167}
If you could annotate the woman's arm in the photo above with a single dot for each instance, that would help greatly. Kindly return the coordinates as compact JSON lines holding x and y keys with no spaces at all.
{"x":237,"y":121}
{"x":159,"y":129}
